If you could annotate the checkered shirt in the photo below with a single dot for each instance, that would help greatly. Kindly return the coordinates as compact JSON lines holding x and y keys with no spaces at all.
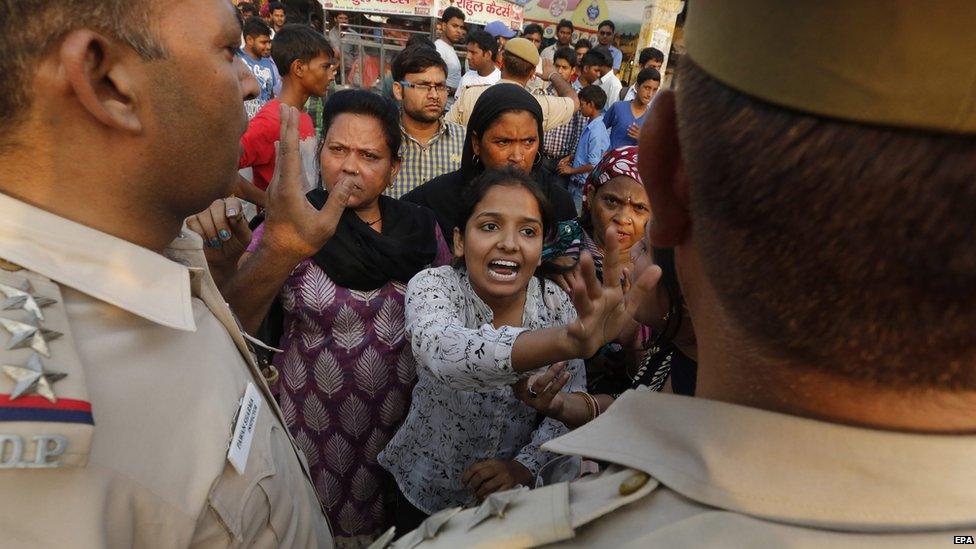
{"x":419,"y":163}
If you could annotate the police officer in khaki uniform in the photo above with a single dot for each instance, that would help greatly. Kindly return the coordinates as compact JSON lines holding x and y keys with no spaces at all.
{"x":814,"y":172}
{"x":132,"y":413}
{"x":519,"y":60}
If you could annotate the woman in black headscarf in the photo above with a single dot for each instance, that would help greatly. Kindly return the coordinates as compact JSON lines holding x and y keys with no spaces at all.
{"x":505,"y":129}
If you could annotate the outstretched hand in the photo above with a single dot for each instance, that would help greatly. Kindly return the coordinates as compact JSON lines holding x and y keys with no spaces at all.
{"x":293,"y":226}
{"x":605,"y":309}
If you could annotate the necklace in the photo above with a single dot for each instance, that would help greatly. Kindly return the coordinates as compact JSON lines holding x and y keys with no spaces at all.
{"x":371,"y":223}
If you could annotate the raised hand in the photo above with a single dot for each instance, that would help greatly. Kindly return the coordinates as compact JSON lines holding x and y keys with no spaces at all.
{"x":293,"y":226}
{"x":548,"y":68}
{"x":604,"y":310}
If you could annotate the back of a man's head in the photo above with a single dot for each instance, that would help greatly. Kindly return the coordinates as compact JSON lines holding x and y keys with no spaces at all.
{"x":843,"y":246}
{"x":29,"y":29}
{"x":297,"y":43}
{"x":606,"y":58}
{"x":516,"y":67}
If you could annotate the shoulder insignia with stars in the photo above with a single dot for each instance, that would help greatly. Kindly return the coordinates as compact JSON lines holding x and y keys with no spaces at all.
{"x":45,"y":416}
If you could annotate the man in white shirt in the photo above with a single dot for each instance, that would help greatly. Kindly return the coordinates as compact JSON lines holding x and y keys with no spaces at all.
{"x":608,"y":81}
{"x":452,"y":30}
{"x":564,"y":38}
{"x":482,"y":71}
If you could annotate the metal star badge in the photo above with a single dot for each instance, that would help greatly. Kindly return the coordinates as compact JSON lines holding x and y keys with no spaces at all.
{"x":32,"y":378}
{"x":23,"y":299}
{"x":495,"y":505}
{"x":27,"y":335}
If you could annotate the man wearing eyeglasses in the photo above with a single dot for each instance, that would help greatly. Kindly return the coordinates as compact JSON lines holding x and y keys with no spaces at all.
{"x":606,"y":32}
{"x":431,"y":145}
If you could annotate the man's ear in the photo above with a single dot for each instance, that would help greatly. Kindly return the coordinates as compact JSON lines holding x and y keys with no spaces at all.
{"x":662,"y":169}
{"x":398,"y":91}
{"x":298,"y":68}
{"x":458,"y":243}
{"x":104,"y":76}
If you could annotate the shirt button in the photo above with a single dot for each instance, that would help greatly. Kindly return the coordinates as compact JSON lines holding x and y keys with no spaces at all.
{"x":8,"y":266}
{"x":633,"y":483}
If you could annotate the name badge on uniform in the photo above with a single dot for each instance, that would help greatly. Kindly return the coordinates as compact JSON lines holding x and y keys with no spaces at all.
{"x":247,"y":420}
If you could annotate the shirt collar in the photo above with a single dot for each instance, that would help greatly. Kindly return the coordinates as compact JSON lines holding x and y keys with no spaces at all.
{"x":507,"y":81}
{"x":785,"y":468}
{"x":441,"y":130}
{"x":102,"y":266}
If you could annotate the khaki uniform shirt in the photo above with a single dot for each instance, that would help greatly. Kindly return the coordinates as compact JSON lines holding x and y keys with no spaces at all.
{"x":697,"y":473}
{"x":556,"y":111}
{"x":133,"y":450}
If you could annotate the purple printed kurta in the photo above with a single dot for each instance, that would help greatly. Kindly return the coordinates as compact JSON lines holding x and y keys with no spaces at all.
{"x":346,"y":378}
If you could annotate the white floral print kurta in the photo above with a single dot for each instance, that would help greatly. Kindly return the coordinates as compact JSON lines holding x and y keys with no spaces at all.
{"x":463,"y":409}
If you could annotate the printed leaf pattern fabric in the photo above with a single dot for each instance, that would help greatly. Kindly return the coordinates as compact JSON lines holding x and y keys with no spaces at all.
{"x":346,"y":378}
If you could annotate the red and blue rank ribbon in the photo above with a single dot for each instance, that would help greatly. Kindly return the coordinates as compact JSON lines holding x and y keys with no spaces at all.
{"x":35,"y":408}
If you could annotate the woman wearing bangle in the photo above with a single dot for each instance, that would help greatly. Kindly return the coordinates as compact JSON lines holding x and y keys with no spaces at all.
{"x":476,"y":328}
{"x":671,"y":356}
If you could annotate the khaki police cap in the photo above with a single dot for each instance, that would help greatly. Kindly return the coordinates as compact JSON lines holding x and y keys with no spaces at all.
{"x":523,"y":49}
{"x":887,"y":62}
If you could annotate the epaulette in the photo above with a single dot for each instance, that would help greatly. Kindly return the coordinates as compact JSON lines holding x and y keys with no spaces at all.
{"x":528,"y":518}
{"x":45,"y":415}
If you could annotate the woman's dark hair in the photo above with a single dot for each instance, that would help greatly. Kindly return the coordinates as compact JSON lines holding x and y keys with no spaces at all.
{"x":506,"y":177}
{"x":367,"y":104}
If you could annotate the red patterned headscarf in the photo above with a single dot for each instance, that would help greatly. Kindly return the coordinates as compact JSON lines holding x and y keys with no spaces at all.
{"x":615,"y":162}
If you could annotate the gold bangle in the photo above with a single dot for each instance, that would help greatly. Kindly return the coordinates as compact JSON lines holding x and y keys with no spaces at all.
{"x":590,"y":403}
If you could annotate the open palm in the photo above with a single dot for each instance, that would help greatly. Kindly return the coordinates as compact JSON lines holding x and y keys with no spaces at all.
{"x":292,"y":223}
{"x":605,"y":309}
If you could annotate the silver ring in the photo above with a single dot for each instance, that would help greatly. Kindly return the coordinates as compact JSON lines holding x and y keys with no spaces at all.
{"x":532,"y":392}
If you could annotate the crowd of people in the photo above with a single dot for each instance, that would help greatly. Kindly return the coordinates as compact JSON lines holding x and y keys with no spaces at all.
{"x":463,"y":202}
{"x":447,"y":308}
